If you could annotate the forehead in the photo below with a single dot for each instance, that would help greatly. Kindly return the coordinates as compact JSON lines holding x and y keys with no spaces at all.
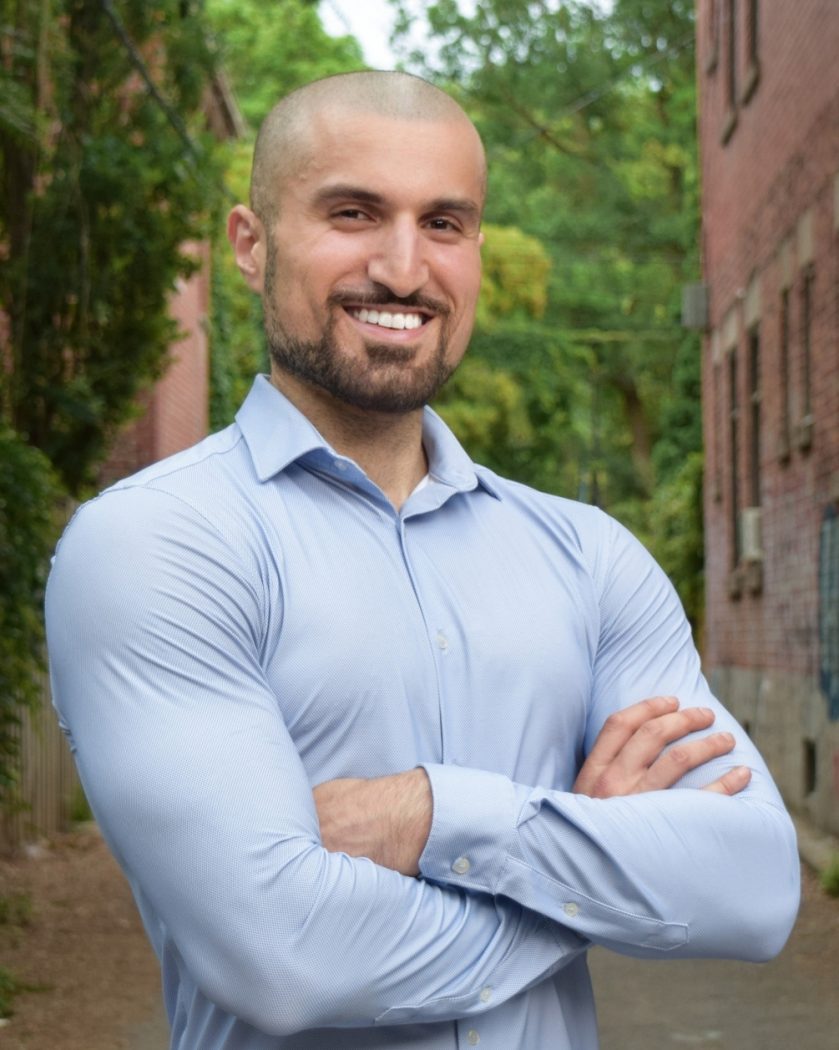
{"x":406,"y":161}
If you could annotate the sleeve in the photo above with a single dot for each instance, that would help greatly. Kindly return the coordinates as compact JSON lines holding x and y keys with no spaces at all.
{"x":154,"y":635}
{"x":683,"y":872}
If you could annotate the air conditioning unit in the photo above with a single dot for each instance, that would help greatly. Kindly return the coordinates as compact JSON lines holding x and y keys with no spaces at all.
{"x":751,"y":548}
{"x":695,"y":306}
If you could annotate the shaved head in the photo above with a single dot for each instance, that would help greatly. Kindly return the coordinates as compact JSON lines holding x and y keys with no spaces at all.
{"x":284,"y":143}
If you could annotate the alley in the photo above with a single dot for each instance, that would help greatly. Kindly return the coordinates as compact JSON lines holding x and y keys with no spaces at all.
{"x":93,"y":983}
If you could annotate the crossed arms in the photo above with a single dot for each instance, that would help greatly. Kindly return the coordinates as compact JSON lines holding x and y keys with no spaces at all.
{"x":388,"y":819}
{"x":201,"y":793}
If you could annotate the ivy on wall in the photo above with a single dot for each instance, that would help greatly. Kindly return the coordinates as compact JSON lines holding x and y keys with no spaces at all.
{"x":106,"y":172}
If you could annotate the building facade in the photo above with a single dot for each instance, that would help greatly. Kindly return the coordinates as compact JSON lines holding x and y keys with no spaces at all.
{"x":769,"y":140}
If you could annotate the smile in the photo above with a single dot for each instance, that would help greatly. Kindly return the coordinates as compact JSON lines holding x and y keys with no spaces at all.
{"x":387,"y":319}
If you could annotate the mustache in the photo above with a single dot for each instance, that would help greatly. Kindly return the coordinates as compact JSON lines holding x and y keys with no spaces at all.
{"x":381,"y":295}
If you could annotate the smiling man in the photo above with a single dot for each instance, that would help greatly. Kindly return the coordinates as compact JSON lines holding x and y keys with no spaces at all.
{"x":323,"y":653}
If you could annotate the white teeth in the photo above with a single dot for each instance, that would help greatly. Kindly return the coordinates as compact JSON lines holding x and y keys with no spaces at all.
{"x":388,"y":320}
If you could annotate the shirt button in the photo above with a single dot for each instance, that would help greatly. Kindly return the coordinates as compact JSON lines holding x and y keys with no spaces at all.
{"x":472,"y":1037}
{"x":571,"y":909}
{"x":342,"y":465}
{"x":486,"y":995}
{"x":461,"y":866}
{"x":442,"y":640}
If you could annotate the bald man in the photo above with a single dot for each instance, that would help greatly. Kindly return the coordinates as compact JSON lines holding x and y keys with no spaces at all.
{"x":323,"y":653}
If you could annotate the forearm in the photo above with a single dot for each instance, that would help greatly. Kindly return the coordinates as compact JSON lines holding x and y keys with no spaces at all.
{"x":686,"y":872}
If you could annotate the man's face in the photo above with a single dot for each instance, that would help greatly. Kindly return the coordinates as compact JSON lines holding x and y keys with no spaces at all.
{"x":373,"y":262}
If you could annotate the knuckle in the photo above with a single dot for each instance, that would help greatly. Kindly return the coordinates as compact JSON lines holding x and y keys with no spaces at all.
{"x":653,"y":730}
{"x":680,"y":756}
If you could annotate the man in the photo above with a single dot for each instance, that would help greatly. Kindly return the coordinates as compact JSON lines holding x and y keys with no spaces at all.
{"x":323,"y":652}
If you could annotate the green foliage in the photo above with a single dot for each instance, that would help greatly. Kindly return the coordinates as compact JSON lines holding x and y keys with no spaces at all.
{"x":830,"y":877}
{"x":269,"y":50}
{"x":9,"y":988}
{"x":28,"y":527}
{"x":105,"y":175}
{"x":512,"y":403}
{"x":95,"y":212}
{"x":79,"y":810}
{"x":515,"y":273}
{"x":237,"y":340}
{"x":15,"y":909}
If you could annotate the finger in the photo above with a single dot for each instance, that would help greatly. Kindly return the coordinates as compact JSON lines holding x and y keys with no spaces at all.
{"x":731,"y":782}
{"x":648,"y":742}
{"x":616,"y":731}
{"x":620,"y":726}
{"x":684,"y":757}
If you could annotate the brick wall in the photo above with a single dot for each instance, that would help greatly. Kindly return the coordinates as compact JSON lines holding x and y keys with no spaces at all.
{"x":174,"y":413}
{"x":770,"y":177}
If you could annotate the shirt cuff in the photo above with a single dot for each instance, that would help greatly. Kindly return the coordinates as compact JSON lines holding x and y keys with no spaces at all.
{"x":472,"y":829}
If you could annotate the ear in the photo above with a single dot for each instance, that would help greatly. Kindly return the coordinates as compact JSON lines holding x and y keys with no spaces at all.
{"x":481,"y":239}
{"x":247,"y":238}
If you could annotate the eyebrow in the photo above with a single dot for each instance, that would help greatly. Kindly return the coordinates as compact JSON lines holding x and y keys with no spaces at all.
{"x":346,"y":191}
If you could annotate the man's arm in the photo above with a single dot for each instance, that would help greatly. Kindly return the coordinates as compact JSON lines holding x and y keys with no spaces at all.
{"x":620,"y":859}
{"x":154,"y":628}
{"x":388,"y":819}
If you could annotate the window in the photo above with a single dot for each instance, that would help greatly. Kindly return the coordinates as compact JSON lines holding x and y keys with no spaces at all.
{"x":718,"y":435}
{"x":730,"y":69}
{"x":734,"y":451}
{"x":786,"y":414}
{"x":713,"y":35}
{"x":752,"y":41}
{"x":805,"y":424}
{"x":754,"y":412}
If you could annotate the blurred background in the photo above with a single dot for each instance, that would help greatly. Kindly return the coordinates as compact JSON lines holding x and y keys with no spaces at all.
{"x":662,"y":247}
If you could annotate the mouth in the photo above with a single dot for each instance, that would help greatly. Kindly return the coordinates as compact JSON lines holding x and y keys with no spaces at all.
{"x":397,"y":320}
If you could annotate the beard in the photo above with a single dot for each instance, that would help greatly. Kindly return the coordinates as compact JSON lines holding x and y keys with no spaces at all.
{"x":386,"y":382}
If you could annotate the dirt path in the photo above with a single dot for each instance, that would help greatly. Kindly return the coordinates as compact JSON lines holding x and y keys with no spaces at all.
{"x":95,"y":982}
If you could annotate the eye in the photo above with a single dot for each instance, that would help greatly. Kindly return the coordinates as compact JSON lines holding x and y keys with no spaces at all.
{"x":351,"y":215}
{"x":442,"y":224}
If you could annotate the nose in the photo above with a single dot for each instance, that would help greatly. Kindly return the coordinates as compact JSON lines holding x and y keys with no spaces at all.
{"x":399,"y":261}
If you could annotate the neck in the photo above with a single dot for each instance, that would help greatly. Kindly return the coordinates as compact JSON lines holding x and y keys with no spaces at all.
{"x":386,"y":445}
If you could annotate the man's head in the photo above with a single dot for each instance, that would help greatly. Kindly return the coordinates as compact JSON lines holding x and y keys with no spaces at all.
{"x":363,"y":237}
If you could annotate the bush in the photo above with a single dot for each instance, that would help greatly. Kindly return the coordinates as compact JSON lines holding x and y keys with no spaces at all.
{"x":830,"y":877}
{"x":29,"y":496}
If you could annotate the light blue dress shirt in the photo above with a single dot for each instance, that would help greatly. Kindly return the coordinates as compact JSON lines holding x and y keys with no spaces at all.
{"x":252,"y":617}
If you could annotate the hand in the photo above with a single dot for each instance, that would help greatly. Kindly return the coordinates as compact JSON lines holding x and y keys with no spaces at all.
{"x":629,"y":754}
{"x":387,"y":819}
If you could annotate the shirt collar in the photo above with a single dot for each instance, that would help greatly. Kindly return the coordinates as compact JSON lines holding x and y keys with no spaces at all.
{"x":278,"y":434}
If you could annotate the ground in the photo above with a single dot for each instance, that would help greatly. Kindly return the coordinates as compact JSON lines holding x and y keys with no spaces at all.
{"x":93,"y":980}
{"x":70,"y":932}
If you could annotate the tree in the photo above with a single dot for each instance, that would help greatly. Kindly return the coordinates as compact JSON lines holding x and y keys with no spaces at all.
{"x":269,"y":50}
{"x":95,"y":212}
{"x":104,"y":175}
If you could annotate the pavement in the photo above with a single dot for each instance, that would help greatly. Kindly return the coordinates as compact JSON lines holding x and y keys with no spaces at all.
{"x":152,"y":1034}
{"x":791,"y":1002}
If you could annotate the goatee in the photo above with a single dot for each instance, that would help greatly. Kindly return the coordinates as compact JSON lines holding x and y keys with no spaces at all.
{"x":386,"y":383}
